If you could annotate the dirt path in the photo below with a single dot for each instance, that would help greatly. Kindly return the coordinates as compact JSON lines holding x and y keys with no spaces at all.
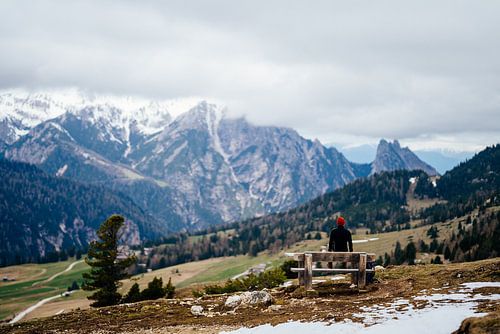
{"x":70,"y":267}
{"x":30,"y":309}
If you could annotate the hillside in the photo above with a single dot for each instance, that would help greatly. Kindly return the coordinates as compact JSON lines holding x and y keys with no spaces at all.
{"x":472,"y":184}
{"x":30,"y":282}
{"x":41,"y":215}
{"x":418,"y":296}
{"x":379,"y":203}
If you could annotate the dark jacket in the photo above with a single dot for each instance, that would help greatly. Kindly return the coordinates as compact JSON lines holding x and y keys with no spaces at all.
{"x":340,"y":239}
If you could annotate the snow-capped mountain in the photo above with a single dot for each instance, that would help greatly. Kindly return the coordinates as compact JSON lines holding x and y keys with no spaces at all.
{"x":193,"y":170}
{"x":20,"y":111}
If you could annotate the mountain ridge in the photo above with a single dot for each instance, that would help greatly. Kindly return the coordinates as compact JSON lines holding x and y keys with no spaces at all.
{"x":203,"y":167}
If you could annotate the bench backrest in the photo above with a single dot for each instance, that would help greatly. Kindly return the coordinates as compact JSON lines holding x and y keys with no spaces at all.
{"x":333,"y":256}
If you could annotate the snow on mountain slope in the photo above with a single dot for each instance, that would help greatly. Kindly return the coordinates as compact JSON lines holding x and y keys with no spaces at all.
{"x":22,"y":110}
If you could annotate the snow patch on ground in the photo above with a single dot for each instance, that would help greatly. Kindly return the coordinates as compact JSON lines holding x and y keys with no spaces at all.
{"x":364,"y":240}
{"x":442,"y":313}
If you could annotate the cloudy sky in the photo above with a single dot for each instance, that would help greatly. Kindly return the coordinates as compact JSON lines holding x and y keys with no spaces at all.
{"x":346,"y":72}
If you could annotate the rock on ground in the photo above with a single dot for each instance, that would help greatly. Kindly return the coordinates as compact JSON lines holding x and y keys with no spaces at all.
{"x":256,"y":297}
{"x":233,"y":301}
{"x":249,"y":298}
{"x":196,"y":310}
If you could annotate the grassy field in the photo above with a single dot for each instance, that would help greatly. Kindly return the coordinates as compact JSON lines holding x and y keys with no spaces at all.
{"x":31,"y":284}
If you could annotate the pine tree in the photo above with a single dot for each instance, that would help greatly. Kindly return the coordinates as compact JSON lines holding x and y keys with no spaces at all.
{"x":154,"y":290}
{"x":387,"y":260}
{"x":399,"y":255}
{"x":133,"y":295}
{"x":433,"y":246}
{"x":254,"y":250}
{"x":447,"y":253}
{"x":411,"y":253}
{"x":170,"y":289}
{"x":423,"y":246}
{"x":107,"y":270}
{"x":74,"y":286}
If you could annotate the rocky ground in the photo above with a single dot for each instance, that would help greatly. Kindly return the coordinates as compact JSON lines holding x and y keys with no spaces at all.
{"x":332,"y":301}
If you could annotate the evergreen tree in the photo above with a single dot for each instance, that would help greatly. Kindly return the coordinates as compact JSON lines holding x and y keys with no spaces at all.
{"x":133,"y":295}
{"x":74,"y":286}
{"x":434,"y":245}
{"x":411,"y":253}
{"x":254,"y":250}
{"x":399,"y":255}
{"x":107,"y":270}
{"x":63,"y":256}
{"x":170,"y":289}
{"x":440,"y":248}
{"x":433,"y":232}
{"x":447,"y":253}
{"x":424,"y":248}
{"x":287,"y":268}
{"x":387,"y":260}
{"x":71,"y":252}
{"x":154,"y":290}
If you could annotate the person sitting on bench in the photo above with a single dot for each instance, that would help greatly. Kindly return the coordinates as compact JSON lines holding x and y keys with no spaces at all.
{"x":340,"y":238}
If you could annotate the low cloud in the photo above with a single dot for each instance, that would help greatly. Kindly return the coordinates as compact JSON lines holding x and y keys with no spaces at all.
{"x":342,"y":72}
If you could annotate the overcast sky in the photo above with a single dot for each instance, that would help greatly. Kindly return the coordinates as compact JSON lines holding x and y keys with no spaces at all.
{"x":346,"y":72}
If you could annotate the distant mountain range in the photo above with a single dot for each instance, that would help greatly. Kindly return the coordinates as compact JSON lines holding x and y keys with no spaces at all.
{"x":442,"y":160}
{"x":195,"y":170}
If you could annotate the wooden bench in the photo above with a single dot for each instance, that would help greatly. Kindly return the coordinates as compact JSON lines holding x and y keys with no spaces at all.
{"x":306,"y":259}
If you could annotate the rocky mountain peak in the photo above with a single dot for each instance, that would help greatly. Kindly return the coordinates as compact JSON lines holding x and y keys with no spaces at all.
{"x":391,"y":156}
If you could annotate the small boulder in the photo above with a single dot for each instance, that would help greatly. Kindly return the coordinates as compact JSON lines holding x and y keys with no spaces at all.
{"x":197,"y":310}
{"x":233,"y":301}
{"x":257,"y":298}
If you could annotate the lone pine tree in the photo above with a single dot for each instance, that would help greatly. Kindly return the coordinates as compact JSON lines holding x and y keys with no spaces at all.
{"x":106,"y":269}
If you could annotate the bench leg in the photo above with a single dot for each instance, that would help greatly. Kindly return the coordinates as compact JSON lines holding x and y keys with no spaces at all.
{"x":308,"y":272}
{"x":301,"y":273}
{"x":354,"y":277}
{"x":362,"y":271}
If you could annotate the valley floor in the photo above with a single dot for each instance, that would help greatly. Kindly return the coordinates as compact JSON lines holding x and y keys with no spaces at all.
{"x":333,"y":302}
